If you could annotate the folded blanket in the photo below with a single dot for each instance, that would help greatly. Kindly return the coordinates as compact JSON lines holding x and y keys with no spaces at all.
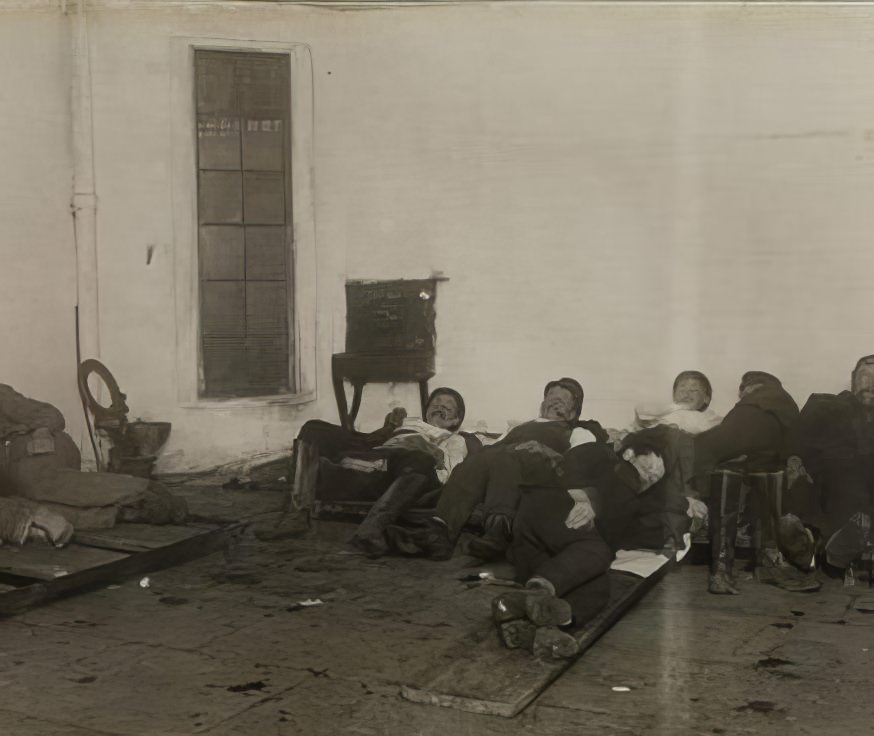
{"x":22,"y":519}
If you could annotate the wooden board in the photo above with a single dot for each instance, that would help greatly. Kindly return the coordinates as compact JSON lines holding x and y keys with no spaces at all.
{"x":44,"y":562}
{"x":136,"y":537}
{"x":491,"y":679}
{"x":111,"y":566}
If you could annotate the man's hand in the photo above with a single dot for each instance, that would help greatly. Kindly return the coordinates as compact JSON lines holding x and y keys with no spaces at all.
{"x":581,"y":514}
{"x":795,"y":470}
{"x":697,"y":511}
{"x":395,"y":418}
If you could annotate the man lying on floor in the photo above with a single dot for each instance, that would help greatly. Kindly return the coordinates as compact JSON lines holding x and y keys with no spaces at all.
{"x":419,"y":458}
{"x":565,"y":538}
{"x":403,"y":463}
{"x":527,"y":455}
{"x":46,"y":494}
{"x":671,"y":428}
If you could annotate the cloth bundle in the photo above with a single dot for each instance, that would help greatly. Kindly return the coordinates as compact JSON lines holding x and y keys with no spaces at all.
{"x":22,"y":519}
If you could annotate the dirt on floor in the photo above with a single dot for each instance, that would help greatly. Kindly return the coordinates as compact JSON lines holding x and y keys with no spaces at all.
{"x":286,"y":633}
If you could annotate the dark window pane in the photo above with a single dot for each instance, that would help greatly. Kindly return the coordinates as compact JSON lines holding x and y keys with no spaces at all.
{"x":266,"y":308}
{"x":262,"y":81}
{"x":222,"y":255}
{"x":225,"y":367}
{"x":265,"y":253}
{"x":267,"y":363}
{"x":223,"y":308}
{"x":218,"y":142}
{"x":216,"y":89}
{"x":264,"y":198}
{"x":220,"y":197}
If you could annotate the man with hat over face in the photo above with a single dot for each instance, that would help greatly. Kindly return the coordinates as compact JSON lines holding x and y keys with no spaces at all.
{"x":529,"y":454}
{"x":748,"y":451}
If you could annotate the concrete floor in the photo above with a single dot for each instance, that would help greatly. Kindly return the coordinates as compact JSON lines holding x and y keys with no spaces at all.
{"x":220,"y":646}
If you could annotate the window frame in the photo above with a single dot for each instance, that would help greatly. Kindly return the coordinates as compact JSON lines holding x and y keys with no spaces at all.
{"x":301,"y":255}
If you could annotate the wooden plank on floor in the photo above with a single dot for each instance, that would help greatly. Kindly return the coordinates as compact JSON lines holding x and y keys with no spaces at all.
{"x":44,"y":562}
{"x":491,"y":679}
{"x":122,"y":567}
{"x":136,"y":537}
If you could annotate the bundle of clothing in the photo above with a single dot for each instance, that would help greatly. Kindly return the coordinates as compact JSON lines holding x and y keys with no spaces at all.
{"x":41,"y":480}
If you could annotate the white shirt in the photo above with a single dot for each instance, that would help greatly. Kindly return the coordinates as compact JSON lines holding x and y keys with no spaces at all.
{"x":676,"y":415}
{"x":449,"y":448}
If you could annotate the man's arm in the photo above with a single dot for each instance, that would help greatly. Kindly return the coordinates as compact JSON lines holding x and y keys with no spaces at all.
{"x":582,"y":513}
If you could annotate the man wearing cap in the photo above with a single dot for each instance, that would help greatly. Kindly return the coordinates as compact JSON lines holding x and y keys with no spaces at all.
{"x":529,"y":454}
{"x":431,"y":443}
{"x":748,"y":451}
{"x":833,"y":446}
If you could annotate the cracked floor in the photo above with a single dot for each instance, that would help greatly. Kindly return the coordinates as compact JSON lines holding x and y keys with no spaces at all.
{"x":221,"y":645}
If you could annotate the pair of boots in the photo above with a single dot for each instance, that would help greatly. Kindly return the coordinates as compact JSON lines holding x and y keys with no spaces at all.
{"x":495,"y":541}
{"x":536,"y":620}
{"x":726,"y":495}
{"x":377,"y":534}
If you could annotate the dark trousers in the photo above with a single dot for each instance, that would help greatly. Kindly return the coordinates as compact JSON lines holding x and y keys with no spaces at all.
{"x":848,"y":487}
{"x":320,"y":446}
{"x":491,"y":477}
{"x":332,"y":441}
{"x":575,"y":561}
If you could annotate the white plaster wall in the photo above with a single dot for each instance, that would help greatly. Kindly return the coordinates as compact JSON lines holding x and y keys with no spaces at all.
{"x":37,"y":252}
{"x":615,"y":193}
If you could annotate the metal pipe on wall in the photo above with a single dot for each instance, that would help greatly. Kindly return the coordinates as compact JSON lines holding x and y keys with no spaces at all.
{"x":84,"y":199}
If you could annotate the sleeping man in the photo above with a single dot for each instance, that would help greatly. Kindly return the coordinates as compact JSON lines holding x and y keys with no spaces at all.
{"x":529,"y":454}
{"x":671,"y":429}
{"x":565,"y":538}
{"x":419,"y":457}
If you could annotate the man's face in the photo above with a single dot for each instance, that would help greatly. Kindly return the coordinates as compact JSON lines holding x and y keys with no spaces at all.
{"x":442,"y":412}
{"x":691,"y":394}
{"x":650,"y":467}
{"x":863,"y":384}
{"x":558,"y":405}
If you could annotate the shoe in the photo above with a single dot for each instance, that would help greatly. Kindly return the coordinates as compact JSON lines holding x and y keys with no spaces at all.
{"x":772,"y":569}
{"x":431,"y":541}
{"x":848,"y":542}
{"x":796,"y":541}
{"x":721,"y":583}
{"x":517,"y":634}
{"x":371,"y":547}
{"x":537,"y":605}
{"x":495,"y":542}
{"x":551,"y":642}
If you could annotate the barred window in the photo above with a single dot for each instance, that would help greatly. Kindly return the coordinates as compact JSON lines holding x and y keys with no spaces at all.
{"x":244,"y":223}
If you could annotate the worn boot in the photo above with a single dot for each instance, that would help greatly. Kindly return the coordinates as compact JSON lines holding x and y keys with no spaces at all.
{"x":726,"y":488}
{"x":850,"y":541}
{"x":431,"y":540}
{"x":495,"y":542}
{"x":547,"y":642}
{"x":771,"y":567}
{"x":536,"y":602}
{"x":401,"y":495}
{"x":797,"y":542}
